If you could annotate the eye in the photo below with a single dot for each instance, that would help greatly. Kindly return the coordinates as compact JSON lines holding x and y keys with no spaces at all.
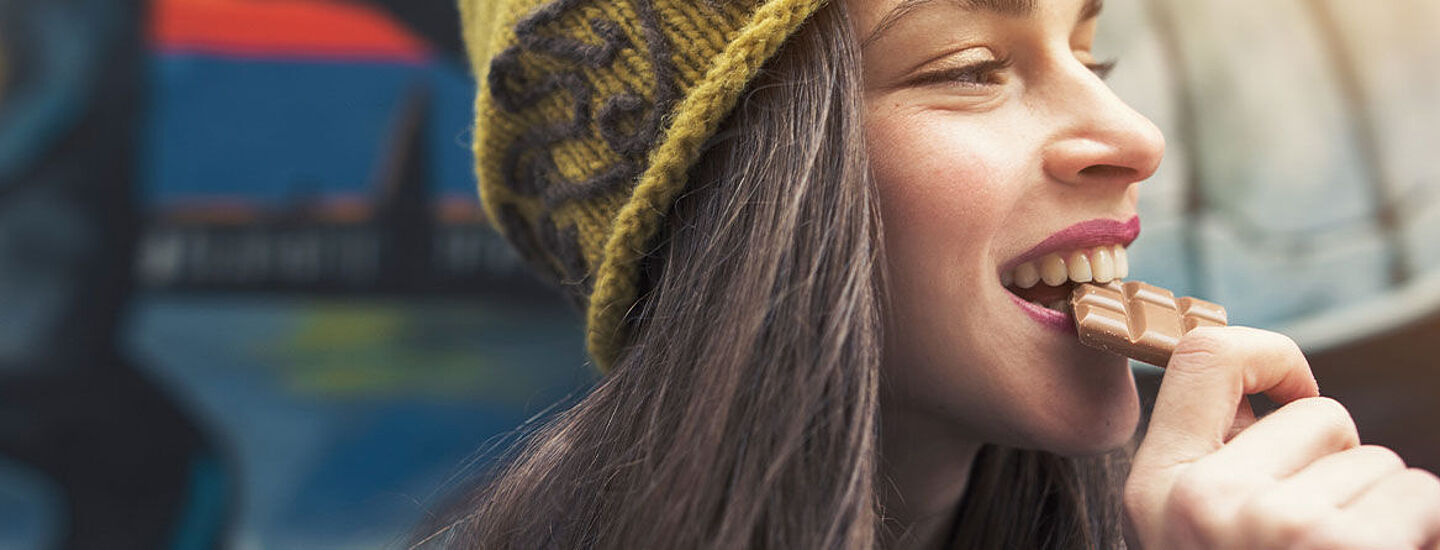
{"x":983,"y":73}
{"x":1102,"y":70}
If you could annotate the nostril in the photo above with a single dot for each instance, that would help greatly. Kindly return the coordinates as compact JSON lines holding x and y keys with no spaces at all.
{"x":1108,"y":171}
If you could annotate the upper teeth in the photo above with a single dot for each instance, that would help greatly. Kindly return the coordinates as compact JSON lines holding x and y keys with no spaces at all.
{"x":1100,"y":264}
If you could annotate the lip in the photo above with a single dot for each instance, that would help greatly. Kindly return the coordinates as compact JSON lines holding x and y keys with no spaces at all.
{"x":1050,"y":318}
{"x":1081,"y":235}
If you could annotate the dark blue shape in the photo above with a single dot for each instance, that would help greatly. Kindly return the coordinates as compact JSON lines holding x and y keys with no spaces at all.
{"x":273,"y":131}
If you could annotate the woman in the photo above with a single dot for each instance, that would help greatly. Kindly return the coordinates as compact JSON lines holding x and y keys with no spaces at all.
{"x":709,"y":180}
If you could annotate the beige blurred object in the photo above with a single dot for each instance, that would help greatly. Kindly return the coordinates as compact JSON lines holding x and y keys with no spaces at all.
{"x":1300,"y":187}
{"x":1300,"y":183}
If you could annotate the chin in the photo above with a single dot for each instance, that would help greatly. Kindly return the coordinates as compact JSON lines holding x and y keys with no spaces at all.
{"x":1095,"y":415}
{"x":1093,"y":430}
{"x":1102,"y":411}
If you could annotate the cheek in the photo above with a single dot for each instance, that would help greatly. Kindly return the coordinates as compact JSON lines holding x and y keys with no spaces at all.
{"x":954,"y":193}
{"x":957,"y":191}
{"x":944,"y":197}
{"x":944,"y":193}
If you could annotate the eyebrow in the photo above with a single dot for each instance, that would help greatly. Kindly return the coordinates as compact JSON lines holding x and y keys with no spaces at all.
{"x":1016,"y":8}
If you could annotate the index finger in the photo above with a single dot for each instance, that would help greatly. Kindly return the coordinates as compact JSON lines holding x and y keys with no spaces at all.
{"x":1212,"y":369}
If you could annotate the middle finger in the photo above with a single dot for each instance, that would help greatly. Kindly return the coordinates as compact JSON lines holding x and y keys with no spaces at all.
{"x":1289,"y":439}
{"x":1338,"y":478}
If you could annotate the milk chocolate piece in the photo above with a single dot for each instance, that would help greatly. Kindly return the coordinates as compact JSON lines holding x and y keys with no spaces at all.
{"x":1137,"y":320}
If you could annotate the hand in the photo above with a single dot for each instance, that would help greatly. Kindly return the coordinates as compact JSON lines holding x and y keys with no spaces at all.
{"x":1208,"y":475}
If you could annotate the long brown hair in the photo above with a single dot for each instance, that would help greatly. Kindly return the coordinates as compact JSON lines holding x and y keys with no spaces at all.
{"x":743,"y":413}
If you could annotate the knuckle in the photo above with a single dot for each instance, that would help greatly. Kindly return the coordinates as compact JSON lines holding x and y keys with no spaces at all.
{"x":1334,"y":417}
{"x":1324,"y":405}
{"x":1202,"y":348}
{"x":1280,"y":518}
{"x":1284,"y":344}
{"x":1206,"y":348}
{"x":1423,"y":482}
{"x":1199,"y":501}
{"x":1382,"y":456}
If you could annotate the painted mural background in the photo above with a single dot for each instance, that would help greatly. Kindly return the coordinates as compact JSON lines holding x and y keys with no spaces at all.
{"x":247,"y":297}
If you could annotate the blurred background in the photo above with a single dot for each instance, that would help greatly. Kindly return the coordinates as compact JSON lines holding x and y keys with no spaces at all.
{"x":248,"y":298}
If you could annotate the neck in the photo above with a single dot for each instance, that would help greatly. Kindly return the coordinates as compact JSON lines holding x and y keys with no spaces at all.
{"x":924,"y":470}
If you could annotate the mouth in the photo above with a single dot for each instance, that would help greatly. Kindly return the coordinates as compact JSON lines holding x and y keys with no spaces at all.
{"x":1091,"y":251}
{"x":1049,"y":280}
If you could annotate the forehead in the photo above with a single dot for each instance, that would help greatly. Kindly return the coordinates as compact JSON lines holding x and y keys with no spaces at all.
{"x":875,"y":16}
{"x":1004,"y":7}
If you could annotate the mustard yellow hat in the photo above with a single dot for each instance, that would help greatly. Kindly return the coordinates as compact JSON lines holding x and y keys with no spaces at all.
{"x":590,"y":114}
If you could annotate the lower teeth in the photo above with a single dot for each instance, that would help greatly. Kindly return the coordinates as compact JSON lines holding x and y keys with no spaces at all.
{"x":1061,"y":305}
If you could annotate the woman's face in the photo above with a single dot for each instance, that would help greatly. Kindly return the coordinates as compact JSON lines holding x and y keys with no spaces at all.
{"x":995,"y":144}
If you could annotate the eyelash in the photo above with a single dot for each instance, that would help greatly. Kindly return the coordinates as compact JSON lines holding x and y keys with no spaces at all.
{"x":975,"y":74}
{"x":983,"y":73}
{"x":1102,"y":69}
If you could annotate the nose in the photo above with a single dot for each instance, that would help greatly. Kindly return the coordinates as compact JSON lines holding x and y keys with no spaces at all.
{"x":1101,"y":139}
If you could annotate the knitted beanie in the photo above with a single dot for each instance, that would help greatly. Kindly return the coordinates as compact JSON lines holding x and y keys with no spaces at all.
{"x":589,"y":116}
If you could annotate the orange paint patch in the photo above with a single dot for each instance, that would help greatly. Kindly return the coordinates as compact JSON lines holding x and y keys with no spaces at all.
{"x":324,"y":29}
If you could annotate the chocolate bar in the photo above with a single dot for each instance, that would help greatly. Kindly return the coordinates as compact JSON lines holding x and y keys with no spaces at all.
{"x":1137,"y":320}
